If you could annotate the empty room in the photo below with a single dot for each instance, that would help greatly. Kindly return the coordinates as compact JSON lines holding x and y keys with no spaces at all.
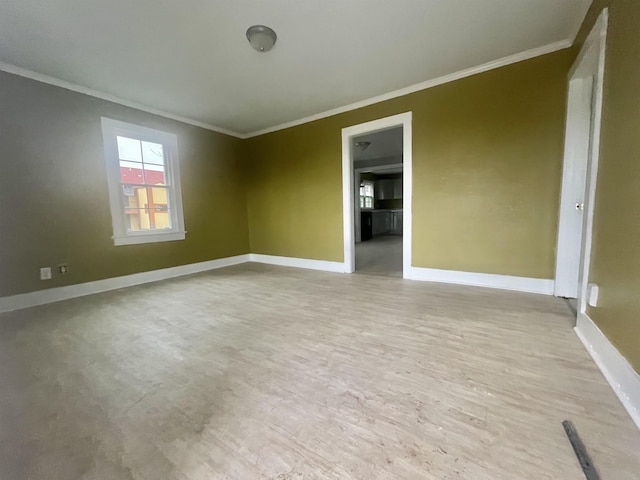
{"x":297,"y":240}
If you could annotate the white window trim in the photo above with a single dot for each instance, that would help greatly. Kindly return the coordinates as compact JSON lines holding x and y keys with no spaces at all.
{"x":110,"y":130}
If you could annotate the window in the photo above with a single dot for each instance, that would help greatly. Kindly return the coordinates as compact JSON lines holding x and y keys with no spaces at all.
{"x":366,"y":194}
{"x":144,"y":183}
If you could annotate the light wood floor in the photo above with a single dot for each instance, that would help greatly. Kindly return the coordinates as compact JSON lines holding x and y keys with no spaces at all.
{"x":382,"y":255}
{"x":256,"y":372}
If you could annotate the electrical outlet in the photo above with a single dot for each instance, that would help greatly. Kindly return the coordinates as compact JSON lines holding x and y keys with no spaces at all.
{"x":45,"y":273}
{"x":592,"y":294}
{"x":63,"y":268}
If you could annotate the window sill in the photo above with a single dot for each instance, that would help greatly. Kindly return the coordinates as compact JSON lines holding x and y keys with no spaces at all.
{"x":140,"y":238}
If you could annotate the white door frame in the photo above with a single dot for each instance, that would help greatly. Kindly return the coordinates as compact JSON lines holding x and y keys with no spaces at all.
{"x":348,"y":194}
{"x":580,"y":169}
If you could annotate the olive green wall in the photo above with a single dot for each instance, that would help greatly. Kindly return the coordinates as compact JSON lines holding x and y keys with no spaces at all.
{"x":615,"y":262}
{"x":54,"y":197}
{"x":487,"y":160}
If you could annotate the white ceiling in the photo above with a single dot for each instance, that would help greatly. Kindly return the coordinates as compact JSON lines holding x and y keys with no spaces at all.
{"x":190,"y":58}
{"x":384,"y":144}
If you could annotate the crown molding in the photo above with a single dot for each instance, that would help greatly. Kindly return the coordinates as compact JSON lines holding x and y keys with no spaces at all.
{"x":518,"y":57}
{"x":23,"y":72}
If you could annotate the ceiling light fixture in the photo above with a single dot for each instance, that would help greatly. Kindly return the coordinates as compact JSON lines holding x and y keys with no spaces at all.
{"x":261,"y":38}
{"x":363,"y":145}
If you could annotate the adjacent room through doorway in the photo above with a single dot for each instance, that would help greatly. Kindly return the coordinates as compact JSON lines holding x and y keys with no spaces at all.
{"x":378,"y":216}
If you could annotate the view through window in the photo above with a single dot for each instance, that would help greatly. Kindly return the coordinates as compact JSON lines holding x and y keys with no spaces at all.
{"x":366,"y":194}
{"x":144,"y":185}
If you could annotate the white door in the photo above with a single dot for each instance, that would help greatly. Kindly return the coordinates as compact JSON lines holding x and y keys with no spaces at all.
{"x":574,"y":182}
{"x":582,"y":144}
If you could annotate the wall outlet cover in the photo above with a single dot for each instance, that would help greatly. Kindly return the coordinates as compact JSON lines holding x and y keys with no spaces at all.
{"x":45,"y":273}
{"x":592,"y":294}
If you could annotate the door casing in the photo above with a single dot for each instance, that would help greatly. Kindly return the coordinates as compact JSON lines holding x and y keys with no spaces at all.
{"x":403,"y":120}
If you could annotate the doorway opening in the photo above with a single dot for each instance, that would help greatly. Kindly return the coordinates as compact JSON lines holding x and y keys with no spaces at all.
{"x":580,"y":170}
{"x":377,"y":170}
{"x":378,"y":216}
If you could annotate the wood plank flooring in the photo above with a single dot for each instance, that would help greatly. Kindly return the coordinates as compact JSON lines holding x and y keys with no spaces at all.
{"x":262,"y":372}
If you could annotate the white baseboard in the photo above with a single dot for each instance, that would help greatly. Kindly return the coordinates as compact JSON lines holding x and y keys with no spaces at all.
{"x":57,"y":294}
{"x":489,"y":280}
{"x":624,"y":380}
{"x":324,"y":265}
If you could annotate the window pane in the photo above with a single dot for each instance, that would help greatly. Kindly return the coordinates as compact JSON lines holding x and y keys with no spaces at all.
{"x":131,"y":172}
{"x":137,"y":219}
{"x":133,"y":195}
{"x":162,"y":220}
{"x":368,"y":201}
{"x":154,"y":198}
{"x":157,"y":199}
{"x":129,"y":149}
{"x":154,"y":174}
{"x":145,"y":219}
{"x":152,"y":153}
{"x":361,"y":202}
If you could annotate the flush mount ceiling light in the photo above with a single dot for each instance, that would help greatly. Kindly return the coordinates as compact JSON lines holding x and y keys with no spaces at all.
{"x":261,"y":38}
{"x":363,"y":145}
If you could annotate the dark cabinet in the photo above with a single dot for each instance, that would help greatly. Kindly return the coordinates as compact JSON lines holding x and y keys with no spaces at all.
{"x":396,"y":223}
{"x":387,"y":189}
{"x":366,"y":226}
